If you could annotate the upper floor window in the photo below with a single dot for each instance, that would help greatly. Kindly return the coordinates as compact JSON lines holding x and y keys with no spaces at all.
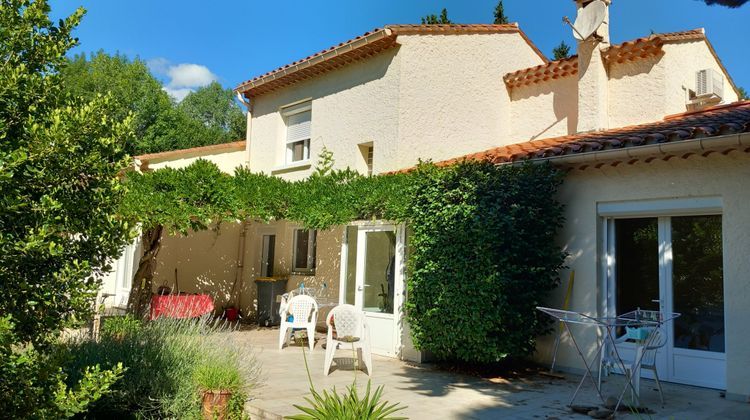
{"x":297,"y":121}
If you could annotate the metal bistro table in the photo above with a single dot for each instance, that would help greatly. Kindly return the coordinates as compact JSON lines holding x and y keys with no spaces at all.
{"x":608,"y":325}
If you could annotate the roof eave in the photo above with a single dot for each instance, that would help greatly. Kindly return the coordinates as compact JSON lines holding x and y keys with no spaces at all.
{"x":684,"y":148}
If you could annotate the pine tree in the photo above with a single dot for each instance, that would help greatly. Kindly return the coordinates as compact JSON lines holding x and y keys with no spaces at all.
{"x":561,"y":51}
{"x":500,"y":17}
{"x":437,"y":20}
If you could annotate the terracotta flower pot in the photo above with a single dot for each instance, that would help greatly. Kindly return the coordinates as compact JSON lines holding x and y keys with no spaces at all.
{"x":215,"y":404}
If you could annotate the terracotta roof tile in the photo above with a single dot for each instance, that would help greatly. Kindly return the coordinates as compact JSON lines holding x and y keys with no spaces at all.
{"x":720,"y":120}
{"x":627,"y":51}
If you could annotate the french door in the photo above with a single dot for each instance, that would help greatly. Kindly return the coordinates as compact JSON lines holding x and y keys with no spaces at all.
{"x":672,"y":264}
{"x":372,"y":280}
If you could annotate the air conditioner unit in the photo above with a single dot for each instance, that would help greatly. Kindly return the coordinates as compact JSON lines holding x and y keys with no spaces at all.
{"x":709,"y":83}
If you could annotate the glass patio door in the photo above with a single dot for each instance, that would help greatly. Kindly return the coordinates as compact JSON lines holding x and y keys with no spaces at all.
{"x":372,"y":281}
{"x":673,"y":264}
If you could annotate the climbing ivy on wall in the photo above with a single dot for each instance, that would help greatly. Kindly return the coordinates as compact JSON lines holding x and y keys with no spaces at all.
{"x":482,"y":242}
{"x":483,"y":256}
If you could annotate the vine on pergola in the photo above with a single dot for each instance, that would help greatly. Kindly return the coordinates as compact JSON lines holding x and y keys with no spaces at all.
{"x":200,"y":196}
{"x":479,"y":234}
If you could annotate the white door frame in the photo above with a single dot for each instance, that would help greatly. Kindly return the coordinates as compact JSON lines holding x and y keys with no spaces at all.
{"x":399,"y":274}
{"x":663,"y":211}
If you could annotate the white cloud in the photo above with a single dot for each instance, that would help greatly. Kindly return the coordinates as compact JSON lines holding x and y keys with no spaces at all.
{"x":158,"y":65}
{"x":190,"y":76}
{"x":178,"y":94}
{"x":181,"y":78}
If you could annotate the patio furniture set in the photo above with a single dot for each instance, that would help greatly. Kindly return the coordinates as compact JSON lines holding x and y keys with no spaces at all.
{"x":644,"y":328}
{"x":346,"y":326}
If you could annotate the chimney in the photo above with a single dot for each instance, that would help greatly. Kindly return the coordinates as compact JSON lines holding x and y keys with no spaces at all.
{"x":593,"y":92}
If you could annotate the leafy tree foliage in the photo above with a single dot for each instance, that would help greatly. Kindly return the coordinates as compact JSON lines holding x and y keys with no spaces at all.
{"x":133,"y":88}
{"x":59,"y":193}
{"x":743,"y":94}
{"x":437,"y":20}
{"x":500,"y":17}
{"x":206,"y":116}
{"x":216,"y":108}
{"x":728,"y":3}
{"x":561,"y":51}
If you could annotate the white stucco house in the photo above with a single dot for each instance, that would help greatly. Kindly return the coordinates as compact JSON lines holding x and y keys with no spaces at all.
{"x":651,"y":131}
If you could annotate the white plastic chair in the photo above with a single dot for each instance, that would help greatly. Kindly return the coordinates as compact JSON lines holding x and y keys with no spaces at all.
{"x":304,"y":312}
{"x":351,"y":332}
{"x":656,"y":340}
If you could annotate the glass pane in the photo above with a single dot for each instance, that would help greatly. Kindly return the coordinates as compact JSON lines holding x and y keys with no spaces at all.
{"x":300,"y":250}
{"x":298,"y":151}
{"x":636,"y":264}
{"x":380,"y":269}
{"x":698,"y":283}
{"x":351,"y":265}
{"x":269,"y":246}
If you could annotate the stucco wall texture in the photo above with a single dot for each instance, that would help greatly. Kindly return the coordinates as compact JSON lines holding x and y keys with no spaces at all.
{"x":714,"y":176}
{"x":432,"y":97}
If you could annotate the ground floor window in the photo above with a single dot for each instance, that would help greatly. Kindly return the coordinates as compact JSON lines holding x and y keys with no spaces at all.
{"x":673,"y":264}
{"x":304,"y":251}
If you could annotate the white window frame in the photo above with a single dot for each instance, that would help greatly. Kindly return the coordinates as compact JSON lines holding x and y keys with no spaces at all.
{"x":311,"y":251}
{"x":287,"y":112}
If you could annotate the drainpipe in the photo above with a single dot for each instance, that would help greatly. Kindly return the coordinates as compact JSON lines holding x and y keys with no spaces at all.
{"x":240,"y":263}
{"x":249,"y":106}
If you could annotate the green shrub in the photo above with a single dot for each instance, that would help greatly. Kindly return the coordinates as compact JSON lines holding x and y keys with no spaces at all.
{"x":120,"y":326}
{"x":348,"y":406}
{"x":32,"y":384}
{"x":482,"y":257}
{"x":164,"y":360}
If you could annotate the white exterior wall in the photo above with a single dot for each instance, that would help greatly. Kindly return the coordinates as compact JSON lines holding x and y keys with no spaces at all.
{"x":716,"y":176}
{"x":352,"y":105}
{"x":452,"y":98}
{"x":226,"y":161}
{"x":682,"y":61}
{"x":544,"y":110}
{"x":637,"y":92}
{"x":432,"y":97}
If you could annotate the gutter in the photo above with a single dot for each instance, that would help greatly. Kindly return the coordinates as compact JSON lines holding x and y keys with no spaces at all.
{"x":684,"y":147}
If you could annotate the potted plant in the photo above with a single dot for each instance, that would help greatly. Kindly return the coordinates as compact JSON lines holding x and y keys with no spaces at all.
{"x":219,"y":382}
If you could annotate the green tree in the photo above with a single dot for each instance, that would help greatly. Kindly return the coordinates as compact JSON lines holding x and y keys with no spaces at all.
{"x":500,"y":17}
{"x":209,"y":116}
{"x":437,"y":20}
{"x":561,"y":51}
{"x":59,"y":191}
{"x":133,"y":88}
{"x":216,"y":108}
{"x":742,"y":93}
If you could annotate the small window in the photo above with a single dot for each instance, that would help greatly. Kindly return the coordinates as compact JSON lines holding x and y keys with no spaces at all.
{"x":369,"y":160}
{"x":304,"y":251}
{"x":297,"y":121}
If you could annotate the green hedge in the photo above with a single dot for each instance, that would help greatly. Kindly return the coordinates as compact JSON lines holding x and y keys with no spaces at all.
{"x":483,"y":256}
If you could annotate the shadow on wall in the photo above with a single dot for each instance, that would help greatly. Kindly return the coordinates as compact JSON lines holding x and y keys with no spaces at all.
{"x":202,"y":262}
{"x":564,"y":105}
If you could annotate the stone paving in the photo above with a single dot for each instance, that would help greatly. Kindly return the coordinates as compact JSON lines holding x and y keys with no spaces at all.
{"x":430,"y":393}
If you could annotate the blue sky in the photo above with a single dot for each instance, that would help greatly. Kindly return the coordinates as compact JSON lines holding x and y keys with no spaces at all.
{"x":191,"y":42}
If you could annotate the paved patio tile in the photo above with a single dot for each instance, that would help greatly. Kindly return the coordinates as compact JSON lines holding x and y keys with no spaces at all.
{"x":434,"y":394}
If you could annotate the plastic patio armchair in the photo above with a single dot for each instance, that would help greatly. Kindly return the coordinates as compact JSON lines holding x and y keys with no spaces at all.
{"x":351,"y":332}
{"x":301,"y":312}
